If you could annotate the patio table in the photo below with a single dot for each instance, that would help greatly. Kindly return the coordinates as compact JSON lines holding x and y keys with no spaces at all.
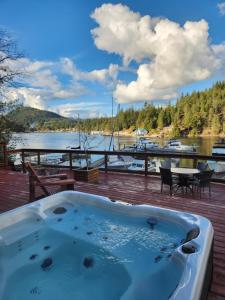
{"x":185,"y":171}
{"x":184,"y":177}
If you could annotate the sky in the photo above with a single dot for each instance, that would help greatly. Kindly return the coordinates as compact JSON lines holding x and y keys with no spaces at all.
{"x":79,"y":54}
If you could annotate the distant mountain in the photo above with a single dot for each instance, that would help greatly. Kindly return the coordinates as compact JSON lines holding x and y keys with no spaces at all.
{"x":29,"y":117}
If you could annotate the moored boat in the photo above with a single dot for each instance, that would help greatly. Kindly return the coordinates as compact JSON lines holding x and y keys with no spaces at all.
{"x":139,"y":165}
{"x":176,"y":145}
{"x":120,"y":162}
{"x":218,"y":149}
{"x":147,"y":144}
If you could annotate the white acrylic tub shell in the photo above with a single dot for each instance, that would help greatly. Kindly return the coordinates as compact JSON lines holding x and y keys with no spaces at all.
{"x":195,"y":264}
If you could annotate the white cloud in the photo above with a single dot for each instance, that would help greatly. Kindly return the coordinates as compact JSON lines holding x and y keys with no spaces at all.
{"x":85,"y":110}
{"x":221,"y":7}
{"x":104,"y":76}
{"x":44,"y":81}
{"x":28,"y":96}
{"x":169,"y":55}
{"x":41,"y":81}
{"x":32,"y":97}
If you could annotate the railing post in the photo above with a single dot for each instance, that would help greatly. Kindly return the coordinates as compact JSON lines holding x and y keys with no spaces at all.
{"x":106,"y":163}
{"x":70,"y":160}
{"x":195,"y":161}
{"x":31,"y":188}
{"x":5,"y":157}
{"x":38,"y":158}
{"x":146,"y":165}
{"x":23,"y":161}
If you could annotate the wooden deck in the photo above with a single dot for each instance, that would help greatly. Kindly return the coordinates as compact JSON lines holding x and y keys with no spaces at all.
{"x":140,"y":189}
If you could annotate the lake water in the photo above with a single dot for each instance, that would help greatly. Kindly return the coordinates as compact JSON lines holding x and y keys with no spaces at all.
{"x":65,"y":140}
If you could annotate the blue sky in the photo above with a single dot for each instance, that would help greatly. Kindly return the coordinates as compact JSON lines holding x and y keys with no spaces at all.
{"x":74,"y":69}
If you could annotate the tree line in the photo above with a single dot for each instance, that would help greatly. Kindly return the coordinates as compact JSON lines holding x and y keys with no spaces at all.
{"x":191,"y":115}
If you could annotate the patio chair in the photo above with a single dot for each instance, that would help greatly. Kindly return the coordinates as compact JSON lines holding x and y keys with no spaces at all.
{"x":43,"y":182}
{"x":167,"y":179}
{"x":202,"y":166}
{"x":202,"y":180}
{"x":166,"y":164}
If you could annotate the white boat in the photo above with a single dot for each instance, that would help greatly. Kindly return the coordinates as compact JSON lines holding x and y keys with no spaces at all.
{"x":218,"y":149}
{"x":216,"y":166}
{"x":76,"y":163}
{"x":120,"y":162}
{"x":50,"y":159}
{"x":93,"y":161}
{"x":147,"y":144}
{"x":176,"y":145}
{"x":17,"y":160}
{"x":139,"y":165}
{"x":132,"y":148}
{"x":157,"y":163}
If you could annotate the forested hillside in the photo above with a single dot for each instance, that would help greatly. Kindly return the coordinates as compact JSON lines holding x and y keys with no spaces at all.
{"x":192,"y":115}
{"x":32,"y":118}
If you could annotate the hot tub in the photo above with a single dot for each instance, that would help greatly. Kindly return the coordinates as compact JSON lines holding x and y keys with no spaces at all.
{"x":79,"y":246}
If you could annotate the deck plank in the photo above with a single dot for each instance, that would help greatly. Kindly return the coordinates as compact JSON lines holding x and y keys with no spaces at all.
{"x":138,"y":189}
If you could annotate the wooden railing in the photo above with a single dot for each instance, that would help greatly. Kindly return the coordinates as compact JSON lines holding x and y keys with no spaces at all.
{"x":194,"y":157}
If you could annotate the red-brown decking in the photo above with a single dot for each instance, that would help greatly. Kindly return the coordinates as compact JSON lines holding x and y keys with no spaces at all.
{"x":140,"y":189}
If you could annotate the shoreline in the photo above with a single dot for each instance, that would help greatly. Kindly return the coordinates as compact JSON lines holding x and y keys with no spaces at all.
{"x":127,"y":134}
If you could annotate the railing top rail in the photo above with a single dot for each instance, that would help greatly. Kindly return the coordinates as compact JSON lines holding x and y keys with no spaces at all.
{"x":124,"y":153}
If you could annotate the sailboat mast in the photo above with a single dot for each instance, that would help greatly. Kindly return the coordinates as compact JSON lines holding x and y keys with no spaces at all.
{"x":112,"y":135}
{"x":79,"y":130}
{"x":118,"y":129}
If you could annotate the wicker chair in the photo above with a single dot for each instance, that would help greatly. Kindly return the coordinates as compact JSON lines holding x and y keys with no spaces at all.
{"x":167,"y":179}
{"x":202,"y":180}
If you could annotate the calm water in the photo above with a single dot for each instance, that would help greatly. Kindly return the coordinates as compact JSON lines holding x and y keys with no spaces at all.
{"x":63,"y":140}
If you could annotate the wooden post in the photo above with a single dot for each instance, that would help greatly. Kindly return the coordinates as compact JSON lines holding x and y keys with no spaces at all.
{"x":70,"y":160}
{"x":195,"y":161}
{"x":106,"y":163}
{"x":23,"y":162}
{"x":5,"y":156}
{"x":38,"y":158}
{"x":146,"y":165}
{"x":31,"y":188}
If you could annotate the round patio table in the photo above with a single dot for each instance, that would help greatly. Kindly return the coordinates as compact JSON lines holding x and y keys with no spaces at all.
{"x":185,"y":171}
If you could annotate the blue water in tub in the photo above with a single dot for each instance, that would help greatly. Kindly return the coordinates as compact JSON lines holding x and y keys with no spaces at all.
{"x":89,"y":253}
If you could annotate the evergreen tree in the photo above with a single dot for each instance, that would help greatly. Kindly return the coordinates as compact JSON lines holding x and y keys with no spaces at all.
{"x":160,"y":120}
{"x":216,"y":126}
